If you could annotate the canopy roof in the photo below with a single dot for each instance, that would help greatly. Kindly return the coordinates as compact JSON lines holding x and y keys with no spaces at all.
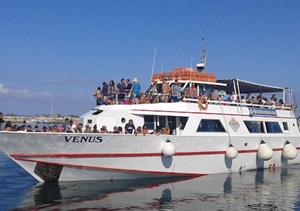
{"x":248,"y":87}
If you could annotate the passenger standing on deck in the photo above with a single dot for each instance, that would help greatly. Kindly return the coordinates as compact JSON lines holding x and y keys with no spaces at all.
{"x":136,"y":90}
{"x":112,"y":91}
{"x":155,"y":97}
{"x":128,"y":87}
{"x":165,"y":91}
{"x":192,"y":92}
{"x":129,"y":127}
{"x":99,"y":96}
{"x":105,"y":91}
{"x":121,"y":87}
{"x":175,"y":91}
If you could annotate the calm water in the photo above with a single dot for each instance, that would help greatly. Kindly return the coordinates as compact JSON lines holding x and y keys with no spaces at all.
{"x":277,"y":189}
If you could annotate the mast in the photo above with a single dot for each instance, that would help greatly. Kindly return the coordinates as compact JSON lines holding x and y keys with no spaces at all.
{"x":201,"y":65}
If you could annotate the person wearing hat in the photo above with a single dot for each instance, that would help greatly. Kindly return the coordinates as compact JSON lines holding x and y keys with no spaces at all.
{"x":136,"y":90}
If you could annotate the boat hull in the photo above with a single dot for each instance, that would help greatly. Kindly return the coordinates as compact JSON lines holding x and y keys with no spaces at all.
{"x":70,"y":157}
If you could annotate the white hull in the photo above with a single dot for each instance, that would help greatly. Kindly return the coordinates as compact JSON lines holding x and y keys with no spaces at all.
{"x":115,"y":156}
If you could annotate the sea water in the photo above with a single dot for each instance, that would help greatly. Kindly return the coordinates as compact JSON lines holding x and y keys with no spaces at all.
{"x":270,"y":189}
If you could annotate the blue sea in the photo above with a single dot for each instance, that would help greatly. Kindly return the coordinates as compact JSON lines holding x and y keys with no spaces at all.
{"x":274,"y":189}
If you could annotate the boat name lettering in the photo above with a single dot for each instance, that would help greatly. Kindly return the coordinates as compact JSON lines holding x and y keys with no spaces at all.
{"x":83,"y":139}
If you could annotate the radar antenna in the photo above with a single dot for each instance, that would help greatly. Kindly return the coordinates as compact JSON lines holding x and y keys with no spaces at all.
{"x":201,"y":65}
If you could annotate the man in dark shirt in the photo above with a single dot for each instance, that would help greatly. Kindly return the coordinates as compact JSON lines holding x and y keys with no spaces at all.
{"x":121,"y":86}
{"x":128,"y":86}
{"x":105,"y":90}
{"x":129,"y":127}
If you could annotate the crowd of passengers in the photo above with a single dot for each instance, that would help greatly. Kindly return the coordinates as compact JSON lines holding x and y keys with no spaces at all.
{"x":70,"y":126}
{"x":130,"y":93}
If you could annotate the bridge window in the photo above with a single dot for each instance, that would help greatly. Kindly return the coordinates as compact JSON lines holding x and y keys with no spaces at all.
{"x":255,"y":126}
{"x":273,"y":127}
{"x":210,"y":125}
{"x":285,"y":126}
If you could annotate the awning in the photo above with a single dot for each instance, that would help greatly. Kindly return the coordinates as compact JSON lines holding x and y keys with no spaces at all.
{"x":248,"y":87}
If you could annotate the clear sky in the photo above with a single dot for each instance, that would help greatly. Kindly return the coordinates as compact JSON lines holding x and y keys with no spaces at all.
{"x":61,"y":50}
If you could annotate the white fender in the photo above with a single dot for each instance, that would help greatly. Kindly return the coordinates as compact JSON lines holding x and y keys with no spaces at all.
{"x":264,"y":151}
{"x":168,"y":149}
{"x":289,"y":151}
{"x":231,"y":152}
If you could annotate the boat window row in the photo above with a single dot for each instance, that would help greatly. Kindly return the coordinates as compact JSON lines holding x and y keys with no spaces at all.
{"x":156,"y":123}
{"x":215,"y":125}
{"x":265,"y":127}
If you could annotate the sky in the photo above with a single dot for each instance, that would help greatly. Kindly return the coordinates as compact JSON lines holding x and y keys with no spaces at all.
{"x":55,"y":53}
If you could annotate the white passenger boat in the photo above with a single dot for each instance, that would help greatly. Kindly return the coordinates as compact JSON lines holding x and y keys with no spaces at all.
{"x":209,"y":137}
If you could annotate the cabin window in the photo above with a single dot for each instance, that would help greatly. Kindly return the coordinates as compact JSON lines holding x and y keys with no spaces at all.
{"x":149,"y":121}
{"x":255,"y":126}
{"x":273,"y":127}
{"x":210,"y":125}
{"x":285,"y":126}
{"x":183,"y":121}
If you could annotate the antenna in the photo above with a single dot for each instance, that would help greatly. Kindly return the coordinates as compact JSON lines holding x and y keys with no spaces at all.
{"x":201,"y":65}
{"x":153,"y":64}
